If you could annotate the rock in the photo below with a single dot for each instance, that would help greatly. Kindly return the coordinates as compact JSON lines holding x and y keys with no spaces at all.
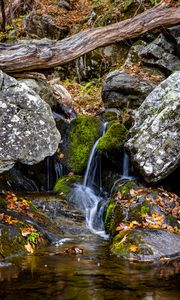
{"x":43,"y":27}
{"x":28,"y":130}
{"x":147,"y":245}
{"x":23,"y":228}
{"x":85,"y":130}
{"x":42,"y":88}
{"x":114,"y":138}
{"x":17,"y":181}
{"x":160,"y":54}
{"x":154,"y":138}
{"x":143,"y":223}
{"x":65,"y":4}
{"x":174,"y":34}
{"x":122,"y":90}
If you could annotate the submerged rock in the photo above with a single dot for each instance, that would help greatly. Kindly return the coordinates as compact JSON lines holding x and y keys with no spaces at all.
{"x":143,"y":222}
{"x":122,"y":90}
{"x":28,"y":130}
{"x":154,"y":143}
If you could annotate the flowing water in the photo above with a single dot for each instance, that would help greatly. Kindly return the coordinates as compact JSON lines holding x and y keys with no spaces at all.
{"x":54,"y":274}
{"x":94,"y":275}
{"x":88,"y":196}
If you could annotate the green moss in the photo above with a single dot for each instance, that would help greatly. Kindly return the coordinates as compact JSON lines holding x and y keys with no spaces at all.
{"x":11,"y":244}
{"x":114,"y":216}
{"x":114,"y":137}
{"x":84,"y":132}
{"x":109,"y":214}
{"x":64,"y":184}
{"x":110,"y":116}
{"x":125,"y":188}
{"x":3,"y":203}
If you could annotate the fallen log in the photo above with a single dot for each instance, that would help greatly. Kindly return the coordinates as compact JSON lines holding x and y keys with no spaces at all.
{"x":50,"y":53}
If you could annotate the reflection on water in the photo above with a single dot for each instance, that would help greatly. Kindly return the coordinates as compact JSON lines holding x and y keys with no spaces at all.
{"x":94,"y":275}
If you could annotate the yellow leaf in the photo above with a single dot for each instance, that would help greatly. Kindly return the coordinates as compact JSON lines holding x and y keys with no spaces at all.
{"x":134,"y":224}
{"x":29,"y":248}
{"x":61,"y":155}
{"x":133,"y":248}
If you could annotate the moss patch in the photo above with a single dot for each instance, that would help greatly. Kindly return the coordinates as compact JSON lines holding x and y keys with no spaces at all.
{"x":125,"y":188}
{"x":84,"y":132}
{"x":114,"y":216}
{"x":114,"y":137}
{"x":64,"y":184}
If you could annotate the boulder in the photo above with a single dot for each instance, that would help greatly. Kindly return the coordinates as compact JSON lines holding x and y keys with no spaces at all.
{"x":42,"y":88}
{"x":160,"y":54}
{"x":154,"y":139}
{"x":122,"y":90}
{"x":143,"y":223}
{"x":173,"y":33}
{"x":28,"y":130}
{"x":44,"y":27}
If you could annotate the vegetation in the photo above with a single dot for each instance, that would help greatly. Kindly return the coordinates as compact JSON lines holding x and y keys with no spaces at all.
{"x":114,"y":138}
{"x":84,"y":132}
{"x":134,"y":208}
{"x":64,"y":184}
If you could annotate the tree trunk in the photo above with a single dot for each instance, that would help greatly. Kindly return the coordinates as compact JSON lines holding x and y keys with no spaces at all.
{"x":3,"y":22}
{"x":46,"y":54}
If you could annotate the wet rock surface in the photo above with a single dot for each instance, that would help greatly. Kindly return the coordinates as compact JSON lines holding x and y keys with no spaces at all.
{"x":28,"y":130}
{"x":154,"y":138}
{"x":122,"y":90}
{"x":143,"y":222}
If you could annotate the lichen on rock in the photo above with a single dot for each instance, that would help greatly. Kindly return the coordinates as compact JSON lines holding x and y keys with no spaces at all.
{"x":154,"y":138}
{"x":28,"y":130}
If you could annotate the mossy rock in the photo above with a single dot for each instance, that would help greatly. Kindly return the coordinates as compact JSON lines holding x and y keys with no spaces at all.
{"x":130,"y":244}
{"x":114,"y":215}
{"x":11,"y":242}
{"x":114,"y":138}
{"x":147,"y":245}
{"x":84,"y":132}
{"x":65,"y":183}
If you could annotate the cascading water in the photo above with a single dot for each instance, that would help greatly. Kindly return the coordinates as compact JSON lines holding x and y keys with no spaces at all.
{"x":87,"y":196}
{"x":53,"y":170}
{"x":125,"y":173}
{"x":126,"y":167}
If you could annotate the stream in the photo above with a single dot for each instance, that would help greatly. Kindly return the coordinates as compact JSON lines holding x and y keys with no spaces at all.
{"x":93,"y":275}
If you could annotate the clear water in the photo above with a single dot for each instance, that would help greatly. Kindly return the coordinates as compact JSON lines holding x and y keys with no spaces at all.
{"x":87,"y":197}
{"x":93,"y":275}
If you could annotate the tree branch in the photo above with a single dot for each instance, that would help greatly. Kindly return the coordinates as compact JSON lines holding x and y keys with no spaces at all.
{"x":46,"y":53}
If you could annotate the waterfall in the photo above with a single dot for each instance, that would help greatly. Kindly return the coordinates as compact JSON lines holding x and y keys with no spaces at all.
{"x":53,"y":170}
{"x":87,"y":196}
{"x":126,"y":167}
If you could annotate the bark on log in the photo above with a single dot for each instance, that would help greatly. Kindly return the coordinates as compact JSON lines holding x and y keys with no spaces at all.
{"x":46,"y":53}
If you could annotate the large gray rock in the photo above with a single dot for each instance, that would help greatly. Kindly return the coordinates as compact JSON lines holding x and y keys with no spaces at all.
{"x":42,"y":88}
{"x":122,"y":90}
{"x":174,"y":34}
{"x":154,"y":143}
{"x":160,"y":54}
{"x":28,"y":130}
